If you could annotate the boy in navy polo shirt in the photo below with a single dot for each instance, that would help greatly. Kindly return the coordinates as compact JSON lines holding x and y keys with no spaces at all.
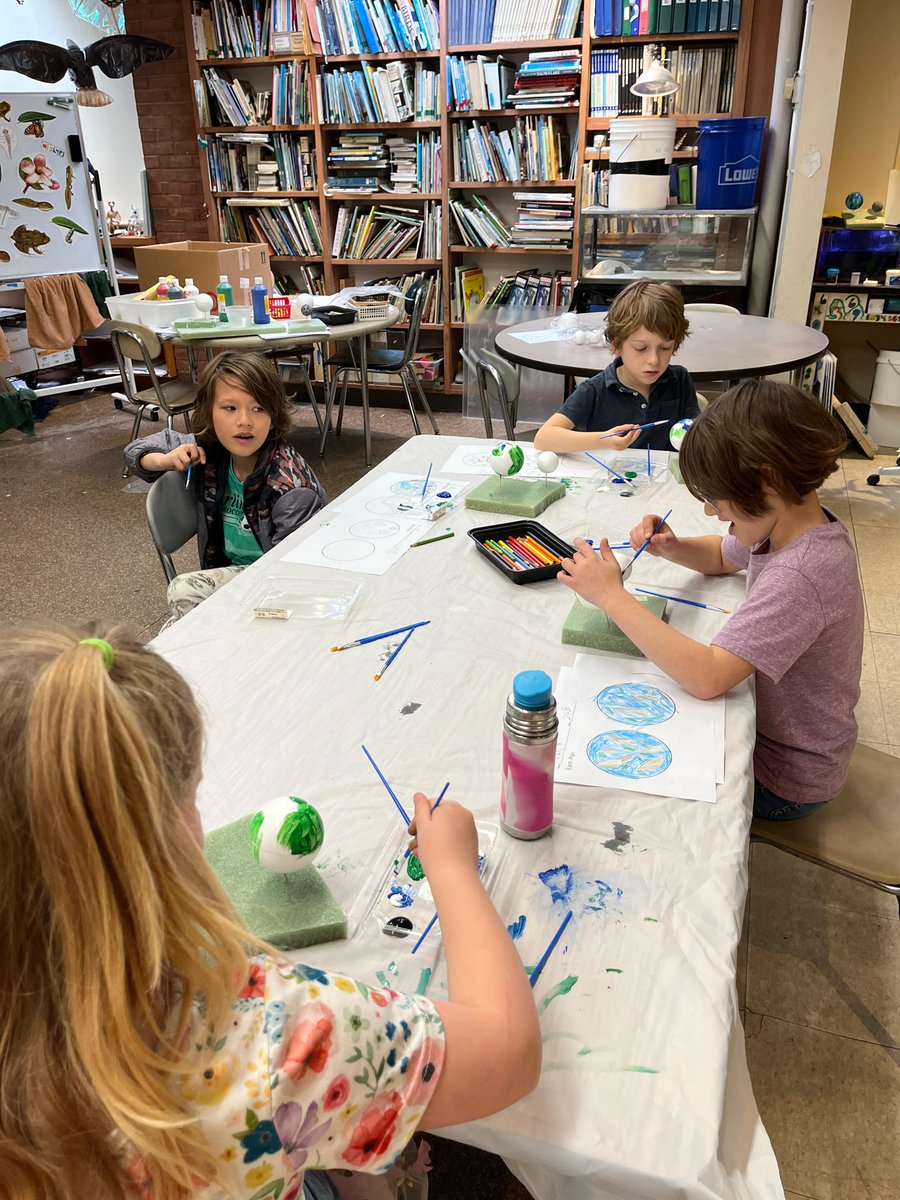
{"x":645,"y":326}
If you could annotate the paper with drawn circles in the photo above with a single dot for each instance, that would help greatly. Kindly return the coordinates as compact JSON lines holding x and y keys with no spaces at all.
{"x":366,"y":544}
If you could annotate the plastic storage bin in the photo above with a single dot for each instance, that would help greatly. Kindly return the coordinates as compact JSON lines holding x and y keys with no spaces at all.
{"x":884,"y":413}
{"x":728,"y":154}
{"x":153,"y":314}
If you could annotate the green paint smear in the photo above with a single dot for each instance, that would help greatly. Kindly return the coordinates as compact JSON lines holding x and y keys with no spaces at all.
{"x":393,"y":968}
{"x":614,"y":970}
{"x":562,"y":989}
{"x":585,"y":1050}
{"x":382,"y":979}
{"x":414,"y":868}
{"x":642,"y":1070}
{"x":653,"y":919}
{"x":423,"y":981}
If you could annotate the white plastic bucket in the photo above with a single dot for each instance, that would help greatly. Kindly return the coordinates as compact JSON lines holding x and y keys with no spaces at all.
{"x":640,"y":154}
{"x":884,"y":413}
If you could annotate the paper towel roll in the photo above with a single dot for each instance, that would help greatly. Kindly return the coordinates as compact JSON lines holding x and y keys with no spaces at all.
{"x":892,"y":204}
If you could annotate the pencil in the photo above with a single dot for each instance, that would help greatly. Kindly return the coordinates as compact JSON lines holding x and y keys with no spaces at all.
{"x":444,"y":790}
{"x":541,"y":550}
{"x":517,"y":555}
{"x":394,"y":654}
{"x":518,"y":545}
{"x":390,"y":791}
{"x":425,"y":484}
{"x":683,"y":600}
{"x":617,"y":478}
{"x":375,"y":637}
{"x":542,"y":962}
{"x":505,"y":557}
{"x":427,"y":541}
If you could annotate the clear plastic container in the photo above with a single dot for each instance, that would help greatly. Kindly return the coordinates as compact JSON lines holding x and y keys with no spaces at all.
{"x":284,"y":597}
{"x":240,"y":315}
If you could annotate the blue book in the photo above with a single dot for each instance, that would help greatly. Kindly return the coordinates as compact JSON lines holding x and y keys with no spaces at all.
{"x":713,"y":23}
{"x":397,"y":25}
{"x":364,"y":23}
{"x":724,"y":15}
{"x":735,"y":24}
{"x":693,"y":11}
{"x":703,"y":17}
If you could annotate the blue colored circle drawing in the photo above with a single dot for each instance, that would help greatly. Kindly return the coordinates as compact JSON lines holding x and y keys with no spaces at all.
{"x":635,"y":704}
{"x":629,"y":753}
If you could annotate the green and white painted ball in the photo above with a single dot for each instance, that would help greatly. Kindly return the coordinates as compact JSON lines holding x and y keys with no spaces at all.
{"x":677,"y":432}
{"x":854,"y":201}
{"x":507,"y":459}
{"x":286,"y":834}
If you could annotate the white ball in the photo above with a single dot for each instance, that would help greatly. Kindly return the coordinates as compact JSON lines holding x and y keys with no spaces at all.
{"x":203,"y":304}
{"x":547,"y":462}
{"x":578,"y":337}
{"x":567,"y":320}
{"x":595,"y":337}
{"x":286,"y":834}
{"x":507,"y":459}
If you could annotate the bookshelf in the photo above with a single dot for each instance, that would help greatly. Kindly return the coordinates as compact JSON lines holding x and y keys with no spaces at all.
{"x":377,"y":112}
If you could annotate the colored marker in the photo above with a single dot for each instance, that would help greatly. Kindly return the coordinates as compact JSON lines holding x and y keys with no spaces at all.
{"x":444,"y":790}
{"x":643,"y":546}
{"x":635,"y":428}
{"x":390,"y":791}
{"x":394,"y":654}
{"x":617,"y":478}
{"x":542,"y":962}
{"x":425,"y":484}
{"x":427,"y":541}
{"x":683,"y":600}
{"x":376,"y":637}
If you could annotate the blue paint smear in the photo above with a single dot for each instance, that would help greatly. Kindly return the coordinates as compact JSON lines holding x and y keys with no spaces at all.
{"x":559,"y":880}
{"x":517,"y":928}
{"x":401,"y":895}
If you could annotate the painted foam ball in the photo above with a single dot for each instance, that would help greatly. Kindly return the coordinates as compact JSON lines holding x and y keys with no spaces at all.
{"x":286,"y":834}
{"x":854,"y":201}
{"x":677,"y":432}
{"x":507,"y":459}
{"x":547,"y":462}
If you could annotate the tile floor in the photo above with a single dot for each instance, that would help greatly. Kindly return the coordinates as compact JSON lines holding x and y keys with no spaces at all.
{"x":817,"y":977}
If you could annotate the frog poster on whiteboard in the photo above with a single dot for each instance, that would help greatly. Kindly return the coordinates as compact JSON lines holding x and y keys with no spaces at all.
{"x":47,"y":224}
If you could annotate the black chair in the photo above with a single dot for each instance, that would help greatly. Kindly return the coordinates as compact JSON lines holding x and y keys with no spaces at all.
{"x":172,"y":517}
{"x":385,"y":361}
{"x":498,"y":381}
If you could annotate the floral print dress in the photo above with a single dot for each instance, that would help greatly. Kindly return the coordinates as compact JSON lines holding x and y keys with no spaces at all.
{"x":315,"y":1072}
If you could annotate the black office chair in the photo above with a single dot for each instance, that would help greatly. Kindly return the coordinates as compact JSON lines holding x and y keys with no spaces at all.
{"x":388,"y":361}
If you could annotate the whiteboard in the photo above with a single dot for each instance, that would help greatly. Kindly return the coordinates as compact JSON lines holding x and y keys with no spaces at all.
{"x":35,"y":155}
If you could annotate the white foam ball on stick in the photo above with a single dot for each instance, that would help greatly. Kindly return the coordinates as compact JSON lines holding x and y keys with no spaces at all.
{"x":547,"y":462}
{"x":203,"y":304}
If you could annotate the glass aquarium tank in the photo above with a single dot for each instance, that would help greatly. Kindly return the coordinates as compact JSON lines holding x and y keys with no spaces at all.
{"x":681,"y":245}
{"x":847,"y":252}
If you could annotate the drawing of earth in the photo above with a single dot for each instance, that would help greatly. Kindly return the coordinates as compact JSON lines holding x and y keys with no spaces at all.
{"x":635,"y":704}
{"x":413,"y":487}
{"x":374,"y":529}
{"x":629,"y":753}
{"x":348,"y":550}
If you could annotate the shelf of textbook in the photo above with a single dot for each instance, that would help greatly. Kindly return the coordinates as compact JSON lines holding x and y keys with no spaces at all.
{"x":644,"y":38}
{"x":257,"y":129}
{"x":472,"y":185}
{"x":379,"y":197}
{"x":328,"y":59}
{"x":264,"y":194}
{"x":494,"y":47}
{"x":372,"y":126}
{"x":567,"y":251}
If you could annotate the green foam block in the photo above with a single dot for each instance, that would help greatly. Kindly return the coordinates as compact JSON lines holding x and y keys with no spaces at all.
{"x":592,"y":627}
{"x":515,"y":497}
{"x":290,"y":911}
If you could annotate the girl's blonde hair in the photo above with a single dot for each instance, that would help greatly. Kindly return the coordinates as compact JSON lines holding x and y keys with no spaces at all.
{"x":113,"y":924}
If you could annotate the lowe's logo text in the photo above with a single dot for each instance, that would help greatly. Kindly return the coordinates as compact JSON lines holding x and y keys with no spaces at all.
{"x":744,"y":170}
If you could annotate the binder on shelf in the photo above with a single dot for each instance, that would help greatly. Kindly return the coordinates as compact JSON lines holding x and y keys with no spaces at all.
{"x":666,"y":8}
{"x":679,"y":16}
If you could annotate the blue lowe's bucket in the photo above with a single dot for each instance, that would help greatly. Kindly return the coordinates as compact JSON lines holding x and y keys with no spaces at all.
{"x":728,"y":157}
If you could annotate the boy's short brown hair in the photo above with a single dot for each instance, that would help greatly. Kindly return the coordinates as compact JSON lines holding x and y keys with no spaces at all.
{"x":255,"y":375}
{"x":646,"y":304}
{"x":756,"y":434}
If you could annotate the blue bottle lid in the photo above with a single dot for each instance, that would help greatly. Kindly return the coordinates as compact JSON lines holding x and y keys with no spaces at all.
{"x":532,"y":689}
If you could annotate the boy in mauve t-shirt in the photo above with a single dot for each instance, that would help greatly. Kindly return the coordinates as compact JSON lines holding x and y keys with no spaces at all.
{"x":755,"y":458}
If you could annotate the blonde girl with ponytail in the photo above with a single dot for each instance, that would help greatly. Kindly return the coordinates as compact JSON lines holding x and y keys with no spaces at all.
{"x":149,"y":1045}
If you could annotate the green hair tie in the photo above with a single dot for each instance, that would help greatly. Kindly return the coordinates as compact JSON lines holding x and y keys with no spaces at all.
{"x":109,"y":655}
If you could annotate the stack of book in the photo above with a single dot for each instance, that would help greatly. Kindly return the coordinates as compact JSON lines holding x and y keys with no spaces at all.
{"x":235,"y":102}
{"x":290,"y":94}
{"x":415,"y":164}
{"x":544,"y":220}
{"x":234,"y":160}
{"x":477,"y":222}
{"x":375,"y":26}
{"x":632,"y":18}
{"x":387,"y":231}
{"x":288,"y":227}
{"x":466,"y":292}
{"x":231,"y":29}
{"x":536,"y":148}
{"x":547,"y":78}
{"x":396,"y":91}
{"x":484,"y":21}
{"x":479,"y":82}
{"x":532,"y":289}
{"x":604,"y":94}
{"x":358,"y":163}
{"x":705,"y":75}
{"x":298,"y":277}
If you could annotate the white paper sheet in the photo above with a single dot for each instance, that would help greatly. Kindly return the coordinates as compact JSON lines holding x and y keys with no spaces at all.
{"x":628,"y":726}
{"x":537,"y":335}
{"x":400,"y":497}
{"x":365,"y":544}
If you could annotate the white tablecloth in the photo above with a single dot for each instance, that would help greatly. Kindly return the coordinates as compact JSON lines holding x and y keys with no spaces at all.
{"x":644,"y":1091}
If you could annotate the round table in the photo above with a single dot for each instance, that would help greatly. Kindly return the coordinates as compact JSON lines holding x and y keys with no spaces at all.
{"x":718,"y":346}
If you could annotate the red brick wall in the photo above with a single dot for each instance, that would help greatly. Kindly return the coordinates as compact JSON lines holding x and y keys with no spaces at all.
{"x":165,"y":106}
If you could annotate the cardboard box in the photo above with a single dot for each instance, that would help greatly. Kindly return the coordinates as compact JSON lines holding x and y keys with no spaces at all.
{"x":205,"y":262}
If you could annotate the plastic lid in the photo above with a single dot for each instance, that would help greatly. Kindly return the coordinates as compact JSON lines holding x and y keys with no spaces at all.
{"x":257,"y":279}
{"x":223,"y":279}
{"x":532,"y":689}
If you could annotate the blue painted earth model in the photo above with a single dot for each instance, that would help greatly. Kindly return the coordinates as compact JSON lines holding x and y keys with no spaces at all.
{"x":854,"y":201}
{"x":678,"y":430}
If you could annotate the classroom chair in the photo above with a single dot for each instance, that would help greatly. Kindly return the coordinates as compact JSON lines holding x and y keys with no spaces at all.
{"x":137,"y":345}
{"x":172,"y":517}
{"x":498,"y":382}
{"x":287,"y":361}
{"x":858,"y":833}
{"x":390,"y":361}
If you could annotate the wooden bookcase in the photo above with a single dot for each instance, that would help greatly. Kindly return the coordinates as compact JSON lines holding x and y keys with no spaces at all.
{"x":754,"y":70}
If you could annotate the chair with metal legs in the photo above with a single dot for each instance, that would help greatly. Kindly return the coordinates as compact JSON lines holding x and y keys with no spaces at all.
{"x":295,"y":360}
{"x":389,"y":361}
{"x":498,"y":382}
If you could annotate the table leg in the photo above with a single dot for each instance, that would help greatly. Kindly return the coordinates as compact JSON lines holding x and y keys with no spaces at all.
{"x":364,"y":390}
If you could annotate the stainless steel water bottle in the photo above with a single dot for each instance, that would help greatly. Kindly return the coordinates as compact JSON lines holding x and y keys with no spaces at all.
{"x":529,"y":756}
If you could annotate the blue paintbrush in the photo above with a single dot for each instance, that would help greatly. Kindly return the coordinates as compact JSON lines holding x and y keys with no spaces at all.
{"x":683,"y":600}
{"x":643,"y":546}
{"x":425,"y":484}
{"x":542,"y":961}
{"x":617,"y":478}
{"x":394,"y":654}
{"x":376,"y":637}
{"x":390,"y":791}
{"x":635,"y":428}
{"x":436,"y":803}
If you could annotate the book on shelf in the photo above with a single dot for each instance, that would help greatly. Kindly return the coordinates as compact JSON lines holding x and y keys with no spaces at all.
{"x":467,"y":292}
{"x":630,"y":18}
{"x":534,"y":148}
{"x":534,"y":288}
{"x":393,"y":92}
{"x":235,"y":101}
{"x":232,"y":29}
{"x":476,"y":24}
{"x":376,"y":26}
{"x":287,"y":227}
{"x":387,"y":231}
{"x":298,"y":277}
{"x":705,"y":75}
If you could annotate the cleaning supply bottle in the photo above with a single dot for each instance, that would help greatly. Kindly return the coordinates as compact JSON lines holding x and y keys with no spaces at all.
{"x":162,"y":289}
{"x":225,"y":296}
{"x":259,"y":295}
{"x":190,"y":289}
{"x":529,"y":756}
